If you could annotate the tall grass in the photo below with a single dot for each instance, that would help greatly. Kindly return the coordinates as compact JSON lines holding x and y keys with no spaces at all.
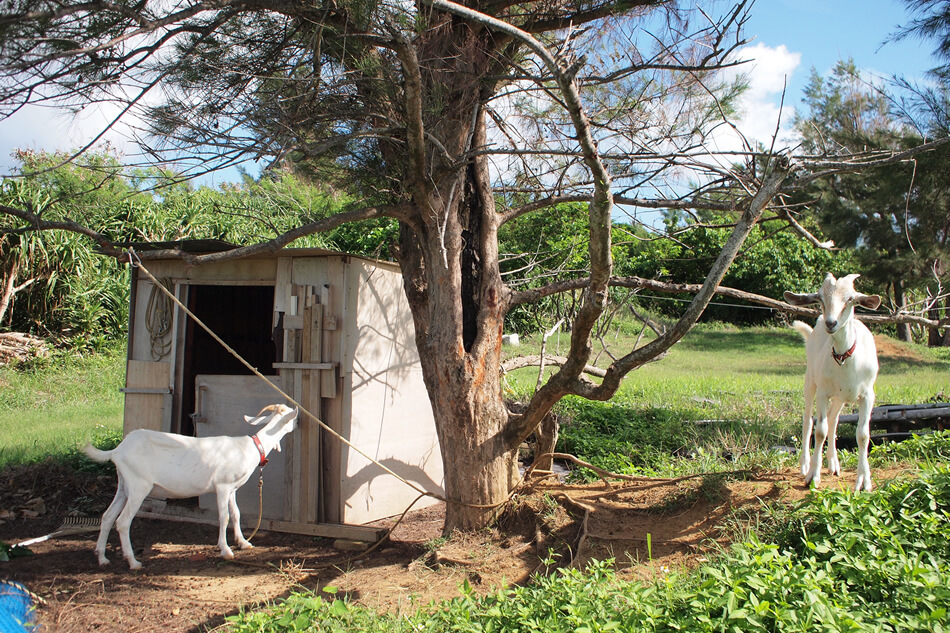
{"x":722,"y":392}
{"x":51,"y":405}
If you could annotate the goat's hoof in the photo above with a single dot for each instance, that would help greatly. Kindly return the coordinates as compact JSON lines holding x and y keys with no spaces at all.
{"x":103,"y":562}
{"x":245,"y":545}
{"x":863,"y":483}
{"x":135,"y":565}
{"x":834,"y":467}
{"x":228,"y":554}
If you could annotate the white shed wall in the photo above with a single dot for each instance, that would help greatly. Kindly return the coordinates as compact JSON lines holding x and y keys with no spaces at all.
{"x":390,"y":417}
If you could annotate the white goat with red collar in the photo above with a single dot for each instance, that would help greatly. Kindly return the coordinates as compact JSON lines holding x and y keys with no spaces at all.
{"x":178,"y":466}
{"x":841,"y":368}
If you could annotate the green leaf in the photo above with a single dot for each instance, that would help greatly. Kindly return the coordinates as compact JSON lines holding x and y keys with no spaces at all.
{"x":338,"y":608}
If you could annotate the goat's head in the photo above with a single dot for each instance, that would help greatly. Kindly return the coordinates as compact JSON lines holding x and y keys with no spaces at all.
{"x":279,"y":417}
{"x":837,"y":298}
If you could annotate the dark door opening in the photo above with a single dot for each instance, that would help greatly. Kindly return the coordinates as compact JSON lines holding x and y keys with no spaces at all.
{"x":242,"y":317}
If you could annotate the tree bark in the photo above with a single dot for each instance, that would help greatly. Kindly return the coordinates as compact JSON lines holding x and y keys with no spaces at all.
{"x":10,"y":289}
{"x":452,"y":278}
{"x":903,"y":329}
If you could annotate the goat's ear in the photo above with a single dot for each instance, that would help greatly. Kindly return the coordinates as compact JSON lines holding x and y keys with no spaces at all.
{"x":256,"y":420}
{"x":871,"y":302}
{"x":801,"y":299}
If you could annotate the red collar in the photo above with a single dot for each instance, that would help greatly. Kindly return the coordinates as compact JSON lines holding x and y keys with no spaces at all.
{"x":260,"y":447}
{"x":840,"y":358}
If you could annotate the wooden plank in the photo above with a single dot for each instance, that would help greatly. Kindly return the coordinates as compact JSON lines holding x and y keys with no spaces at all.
{"x":146,"y":374}
{"x":305,"y":335}
{"x":291,"y":348}
{"x":146,"y":410}
{"x":315,"y":434}
{"x":301,"y":459}
{"x":293,"y":321}
{"x":326,"y":344}
{"x":316,"y":332}
{"x":282,"y":286}
{"x":297,"y":393}
{"x":327,"y":530}
{"x":328,"y":382}
{"x":171,"y":512}
{"x":304,"y":365}
{"x":306,"y":456}
{"x":331,"y":466}
{"x":309,"y":460}
{"x":292,"y":456}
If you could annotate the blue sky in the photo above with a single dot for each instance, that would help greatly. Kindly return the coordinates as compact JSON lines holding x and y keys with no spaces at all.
{"x":790,"y":37}
{"x":824,"y":31}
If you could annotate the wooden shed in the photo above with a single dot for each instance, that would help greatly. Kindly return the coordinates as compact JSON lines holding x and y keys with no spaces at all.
{"x":334,"y":331}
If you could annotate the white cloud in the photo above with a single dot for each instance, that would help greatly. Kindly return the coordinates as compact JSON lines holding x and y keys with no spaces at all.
{"x":761,"y":109}
{"x":52,"y":129}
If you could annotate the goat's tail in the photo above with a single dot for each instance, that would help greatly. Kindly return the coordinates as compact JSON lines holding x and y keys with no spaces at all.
{"x":802,"y":328}
{"x":95,"y":454}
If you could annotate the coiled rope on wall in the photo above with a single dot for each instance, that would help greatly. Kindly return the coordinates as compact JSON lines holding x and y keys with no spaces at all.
{"x":158,"y":318}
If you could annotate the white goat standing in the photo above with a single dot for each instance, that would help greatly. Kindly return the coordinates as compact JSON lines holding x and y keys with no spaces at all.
{"x":841,"y":368}
{"x":179,"y":466}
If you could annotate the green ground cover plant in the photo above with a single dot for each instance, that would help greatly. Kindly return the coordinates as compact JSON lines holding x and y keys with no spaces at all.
{"x":840,"y":561}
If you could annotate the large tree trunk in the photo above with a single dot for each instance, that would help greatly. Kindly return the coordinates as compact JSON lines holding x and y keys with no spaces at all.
{"x":450,"y":265}
{"x":459,"y":329}
{"x":480,"y":462}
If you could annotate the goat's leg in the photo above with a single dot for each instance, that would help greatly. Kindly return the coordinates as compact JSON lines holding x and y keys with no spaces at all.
{"x":136,"y":495}
{"x":239,"y":539}
{"x":108,"y":520}
{"x":804,"y":461}
{"x":834,"y":464}
{"x":863,"y":435}
{"x":224,"y":495}
{"x":813,"y":477}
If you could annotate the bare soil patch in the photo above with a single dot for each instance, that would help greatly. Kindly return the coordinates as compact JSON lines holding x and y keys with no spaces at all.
{"x":185,"y":586}
{"x":888,"y":347}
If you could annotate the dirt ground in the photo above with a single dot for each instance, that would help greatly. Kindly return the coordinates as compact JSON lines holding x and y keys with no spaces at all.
{"x":185,"y":586}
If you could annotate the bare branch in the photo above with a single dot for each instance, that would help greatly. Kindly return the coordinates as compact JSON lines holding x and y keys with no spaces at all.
{"x":539,"y":360}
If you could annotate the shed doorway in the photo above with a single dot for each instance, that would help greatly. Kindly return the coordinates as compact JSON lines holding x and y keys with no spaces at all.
{"x":242,"y":317}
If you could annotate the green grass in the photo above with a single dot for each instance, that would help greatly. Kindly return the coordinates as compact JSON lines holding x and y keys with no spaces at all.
{"x":748,"y":381}
{"x":743,"y":387}
{"x":51,"y":406}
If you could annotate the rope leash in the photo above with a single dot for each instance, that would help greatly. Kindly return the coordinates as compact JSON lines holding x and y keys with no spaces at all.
{"x":260,"y":504}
